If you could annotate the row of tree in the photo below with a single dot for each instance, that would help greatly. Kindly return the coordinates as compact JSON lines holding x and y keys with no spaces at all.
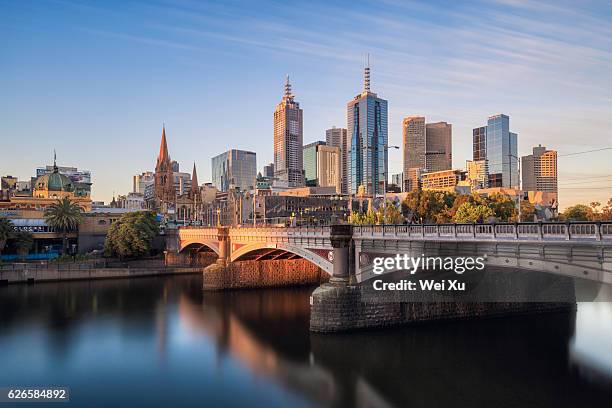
{"x":444,"y":207}
{"x":131,"y":236}
{"x":592,"y":212}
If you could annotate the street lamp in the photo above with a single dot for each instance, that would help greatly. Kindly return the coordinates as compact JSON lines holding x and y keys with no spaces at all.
{"x":218,"y":217}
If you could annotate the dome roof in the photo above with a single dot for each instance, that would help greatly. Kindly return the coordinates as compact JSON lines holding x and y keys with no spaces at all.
{"x":54,"y":182}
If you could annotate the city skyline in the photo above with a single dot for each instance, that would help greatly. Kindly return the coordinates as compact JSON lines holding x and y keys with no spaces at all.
{"x":82,"y":105}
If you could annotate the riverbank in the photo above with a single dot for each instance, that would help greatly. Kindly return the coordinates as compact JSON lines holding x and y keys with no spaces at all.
{"x":56,"y":273}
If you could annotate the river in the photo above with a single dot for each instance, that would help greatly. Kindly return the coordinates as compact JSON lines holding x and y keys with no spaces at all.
{"x":163,"y":342}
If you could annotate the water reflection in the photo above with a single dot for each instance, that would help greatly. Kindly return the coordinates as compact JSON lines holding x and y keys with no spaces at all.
{"x":177,"y":346}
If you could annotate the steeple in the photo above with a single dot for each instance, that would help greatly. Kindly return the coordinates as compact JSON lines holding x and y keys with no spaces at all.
{"x":163,"y":148}
{"x":366,"y":75}
{"x":194,"y":180}
{"x":288,"y":94}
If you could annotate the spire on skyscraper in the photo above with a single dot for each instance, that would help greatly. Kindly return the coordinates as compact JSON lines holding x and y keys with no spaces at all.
{"x":366,"y":75}
{"x":288,"y":94}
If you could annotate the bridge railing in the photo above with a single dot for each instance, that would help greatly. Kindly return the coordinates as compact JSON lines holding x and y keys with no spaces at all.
{"x":574,"y":231}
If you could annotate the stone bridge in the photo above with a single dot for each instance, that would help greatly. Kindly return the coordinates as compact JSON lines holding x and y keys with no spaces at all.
{"x":254,"y":257}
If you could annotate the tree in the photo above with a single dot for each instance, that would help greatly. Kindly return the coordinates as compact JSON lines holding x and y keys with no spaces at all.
{"x":131,"y":236}
{"x":6,"y":229}
{"x":23,"y":241}
{"x":64,"y":216}
{"x":473,"y":212}
{"x":606,"y":213}
{"x":527,"y":211}
{"x":578,"y":212}
{"x":503,"y":206}
{"x":595,"y":214}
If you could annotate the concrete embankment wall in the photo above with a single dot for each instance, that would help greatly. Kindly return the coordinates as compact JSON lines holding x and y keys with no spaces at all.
{"x":263,"y":274}
{"x":58,"y":274}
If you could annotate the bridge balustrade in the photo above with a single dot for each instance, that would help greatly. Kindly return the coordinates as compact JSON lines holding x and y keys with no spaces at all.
{"x":446,"y":230}
{"x":552,"y":231}
{"x":484,"y":230}
{"x":465,"y":230}
{"x":505,"y":230}
{"x":606,"y":230}
{"x":578,"y":231}
{"x":528,"y":231}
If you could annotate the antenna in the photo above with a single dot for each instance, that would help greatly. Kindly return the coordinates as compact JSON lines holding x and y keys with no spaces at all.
{"x":287,"y":87}
{"x":366,"y":74}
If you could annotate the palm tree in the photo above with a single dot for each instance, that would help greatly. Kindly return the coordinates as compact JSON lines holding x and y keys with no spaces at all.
{"x":6,"y":230}
{"x":64,"y":216}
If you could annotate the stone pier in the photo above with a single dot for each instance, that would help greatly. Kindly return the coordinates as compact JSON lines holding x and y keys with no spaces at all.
{"x":341,"y":304}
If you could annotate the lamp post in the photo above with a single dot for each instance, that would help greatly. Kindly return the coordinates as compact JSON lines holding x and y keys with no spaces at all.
{"x":218,"y":217}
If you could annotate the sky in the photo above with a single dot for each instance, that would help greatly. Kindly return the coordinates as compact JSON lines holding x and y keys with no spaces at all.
{"x":96,"y":80}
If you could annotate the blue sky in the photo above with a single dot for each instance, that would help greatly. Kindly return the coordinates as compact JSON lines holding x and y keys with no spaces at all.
{"x":95,"y":80}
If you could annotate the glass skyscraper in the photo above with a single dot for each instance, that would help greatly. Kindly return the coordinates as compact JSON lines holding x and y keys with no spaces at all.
{"x":499,"y":147}
{"x":234,"y":168}
{"x":367,"y":134}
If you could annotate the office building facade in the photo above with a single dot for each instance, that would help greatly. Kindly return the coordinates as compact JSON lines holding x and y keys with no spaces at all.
{"x":367,"y":120}
{"x":337,"y":137}
{"x":288,"y":140}
{"x":234,"y":169}
{"x":539,"y":170}
{"x":309,"y":159}
{"x":496,"y":144}
{"x":438,"y":146}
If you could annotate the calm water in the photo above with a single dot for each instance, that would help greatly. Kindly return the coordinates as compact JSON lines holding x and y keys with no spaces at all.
{"x":162,"y":342}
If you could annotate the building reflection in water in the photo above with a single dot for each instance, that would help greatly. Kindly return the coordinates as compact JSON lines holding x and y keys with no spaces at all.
{"x":530,"y":360}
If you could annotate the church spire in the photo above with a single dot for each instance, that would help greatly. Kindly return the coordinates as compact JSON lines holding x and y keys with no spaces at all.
{"x":366,"y":75}
{"x":194,"y":180}
{"x":163,"y":147}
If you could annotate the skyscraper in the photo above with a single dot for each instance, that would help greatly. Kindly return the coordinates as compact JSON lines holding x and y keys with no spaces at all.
{"x":367,"y":133}
{"x":288,"y":139}
{"x":337,"y":137}
{"x":496,"y":144}
{"x":539,"y":170}
{"x":413,"y":138}
{"x":310,"y":163}
{"x":438,"y":146}
{"x":234,"y":168}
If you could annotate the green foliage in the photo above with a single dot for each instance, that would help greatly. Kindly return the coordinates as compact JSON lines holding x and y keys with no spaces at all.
{"x":388,"y":214}
{"x":23,"y":242}
{"x":527,"y":211}
{"x":428,"y":206}
{"x":131,"y":236}
{"x":503,"y":206}
{"x":65,"y":216}
{"x":6,"y":229}
{"x":578,"y":212}
{"x":473,"y":212}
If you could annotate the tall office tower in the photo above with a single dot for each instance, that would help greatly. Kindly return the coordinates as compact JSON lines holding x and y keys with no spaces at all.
{"x":438,"y":146}
{"x":398,"y":180}
{"x":337,"y":137}
{"x":539,"y":170}
{"x":367,"y":133}
{"x":310,"y":163}
{"x":413,"y":138}
{"x":288,"y":137}
{"x":234,"y":169}
{"x":268,"y":171}
{"x":496,"y":144}
{"x":329,"y":167}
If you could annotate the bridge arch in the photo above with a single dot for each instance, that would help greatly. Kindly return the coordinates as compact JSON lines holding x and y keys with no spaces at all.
{"x":193,"y":244}
{"x":319,"y":261}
